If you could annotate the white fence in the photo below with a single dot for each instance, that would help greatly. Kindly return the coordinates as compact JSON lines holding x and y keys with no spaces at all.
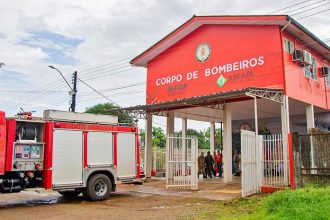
{"x":181,"y":163}
{"x":274,"y":161}
{"x":264,"y":161}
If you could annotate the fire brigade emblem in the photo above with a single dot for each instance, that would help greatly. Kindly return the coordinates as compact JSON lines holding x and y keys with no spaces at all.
{"x":203,"y":52}
{"x":221,"y":81}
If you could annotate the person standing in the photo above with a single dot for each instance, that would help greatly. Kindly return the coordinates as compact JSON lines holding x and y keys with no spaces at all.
{"x":218,"y":159}
{"x":209,"y":164}
{"x":237,"y":160}
{"x":201,"y":165}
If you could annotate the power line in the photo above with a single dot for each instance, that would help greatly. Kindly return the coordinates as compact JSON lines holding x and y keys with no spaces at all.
{"x":305,"y":6}
{"x":89,"y":86}
{"x":30,"y":91}
{"x":117,"y":61}
{"x":106,"y":68}
{"x":314,"y":14}
{"x":290,"y":6}
{"x":310,"y":9}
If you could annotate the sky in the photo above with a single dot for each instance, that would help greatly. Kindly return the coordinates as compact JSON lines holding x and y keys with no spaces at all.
{"x":98,"y":38}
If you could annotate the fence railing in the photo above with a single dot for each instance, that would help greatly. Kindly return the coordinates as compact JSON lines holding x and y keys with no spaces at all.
{"x":274,"y":161}
{"x":181,"y":163}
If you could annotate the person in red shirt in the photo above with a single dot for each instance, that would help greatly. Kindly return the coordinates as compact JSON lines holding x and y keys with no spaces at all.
{"x":218,"y":159}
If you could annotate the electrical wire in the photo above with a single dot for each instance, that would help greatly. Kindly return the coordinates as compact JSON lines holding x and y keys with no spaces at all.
{"x":314,"y":14}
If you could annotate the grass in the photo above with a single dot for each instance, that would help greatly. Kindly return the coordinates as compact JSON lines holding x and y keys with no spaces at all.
{"x":307,"y":203}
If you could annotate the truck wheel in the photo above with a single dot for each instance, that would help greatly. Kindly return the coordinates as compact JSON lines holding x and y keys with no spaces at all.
{"x":98,"y":188}
{"x":70,"y":194}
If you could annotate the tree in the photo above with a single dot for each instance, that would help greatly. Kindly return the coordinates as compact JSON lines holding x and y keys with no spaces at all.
{"x":218,"y":136}
{"x":111,"y":109}
{"x":203,"y":140}
{"x":158,"y":137}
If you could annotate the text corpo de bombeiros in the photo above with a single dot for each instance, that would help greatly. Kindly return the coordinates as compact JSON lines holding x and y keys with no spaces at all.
{"x":225,"y":68}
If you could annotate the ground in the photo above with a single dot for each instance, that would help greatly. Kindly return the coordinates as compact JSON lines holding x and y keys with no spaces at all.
{"x":214,"y":200}
{"x":148,"y":201}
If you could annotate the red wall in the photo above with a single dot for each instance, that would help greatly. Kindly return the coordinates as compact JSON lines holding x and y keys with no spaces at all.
{"x":229,"y":44}
{"x":298,"y":86}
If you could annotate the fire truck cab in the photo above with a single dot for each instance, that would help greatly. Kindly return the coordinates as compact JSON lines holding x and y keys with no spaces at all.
{"x":71,"y":153}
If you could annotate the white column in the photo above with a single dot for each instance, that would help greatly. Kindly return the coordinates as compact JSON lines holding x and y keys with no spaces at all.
{"x":310,"y":117}
{"x":310,"y":124}
{"x":212,"y":137}
{"x":227,"y":144}
{"x":170,"y":123}
{"x":148,"y":147}
{"x":169,"y":131}
{"x":184,"y":146}
{"x":184,"y":127}
{"x":285,"y":131}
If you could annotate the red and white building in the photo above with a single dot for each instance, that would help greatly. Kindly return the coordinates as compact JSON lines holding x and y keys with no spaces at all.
{"x":242,"y":71}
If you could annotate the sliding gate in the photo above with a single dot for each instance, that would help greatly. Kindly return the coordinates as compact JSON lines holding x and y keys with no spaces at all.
{"x":264,"y":162}
{"x":181,"y":163}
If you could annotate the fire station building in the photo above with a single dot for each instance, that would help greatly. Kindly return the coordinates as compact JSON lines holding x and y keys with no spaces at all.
{"x":246,"y":72}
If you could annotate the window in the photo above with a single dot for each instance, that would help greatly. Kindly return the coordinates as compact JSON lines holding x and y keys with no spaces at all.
{"x":288,"y":46}
{"x":310,"y":70}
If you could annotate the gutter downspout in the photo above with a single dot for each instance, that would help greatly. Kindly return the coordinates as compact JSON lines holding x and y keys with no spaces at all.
{"x":289,"y":22}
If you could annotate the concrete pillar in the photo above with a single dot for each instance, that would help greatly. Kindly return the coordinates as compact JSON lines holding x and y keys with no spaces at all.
{"x":285,"y":131}
{"x":311,"y":124}
{"x":148,"y":147}
{"x":170,"y":123}
{"x":227,"y":144}
{"x":310,"y":117}
{"x":169,"y":131}
{"x":184,"y":144}
{"x":212,"y":137}
{"x":184,"y":127}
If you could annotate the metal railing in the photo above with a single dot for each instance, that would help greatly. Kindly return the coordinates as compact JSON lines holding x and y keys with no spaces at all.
{"x":181,"y":163}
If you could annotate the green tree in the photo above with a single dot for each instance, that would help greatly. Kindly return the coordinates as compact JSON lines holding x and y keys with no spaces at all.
{"x":203,"y":139}
{"x":158,"y":137}
{"x":218,"y":136}
{"x":111,"y":109}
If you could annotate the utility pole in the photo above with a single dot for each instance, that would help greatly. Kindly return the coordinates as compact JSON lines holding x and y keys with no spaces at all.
{"x":74,"y":92}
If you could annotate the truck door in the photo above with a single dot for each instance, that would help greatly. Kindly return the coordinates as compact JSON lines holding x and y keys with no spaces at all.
{"x":67,"y":158}
{"x":126,"y":159}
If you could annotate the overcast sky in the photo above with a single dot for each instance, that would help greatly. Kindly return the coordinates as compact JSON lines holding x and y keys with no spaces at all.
{"x":81,"y":35}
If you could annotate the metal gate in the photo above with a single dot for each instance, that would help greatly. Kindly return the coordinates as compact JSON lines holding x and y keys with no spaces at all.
{"x":250,"y":152}
{"x":181,"y":163}
{"x":274,"y":161}
{"x":264,"y":161}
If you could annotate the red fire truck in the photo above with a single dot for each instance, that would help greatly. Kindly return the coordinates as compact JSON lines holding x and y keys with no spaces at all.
{"x":71,"y":153}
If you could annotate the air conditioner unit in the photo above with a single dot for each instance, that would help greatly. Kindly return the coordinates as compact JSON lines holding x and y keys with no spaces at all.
{"x":303,"y":57}
{"x":307,"y":58}
{"x":325,"y":71}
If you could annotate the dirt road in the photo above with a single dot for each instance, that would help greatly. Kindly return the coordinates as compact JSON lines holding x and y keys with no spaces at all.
{"x":118,"y":207}
{"x":148,"y":201}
